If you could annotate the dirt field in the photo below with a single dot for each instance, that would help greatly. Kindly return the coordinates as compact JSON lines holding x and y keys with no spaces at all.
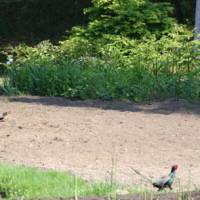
{"x":83,"y":136}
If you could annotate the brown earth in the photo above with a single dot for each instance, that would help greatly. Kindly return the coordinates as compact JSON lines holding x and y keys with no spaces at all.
{"x":84,"y":136}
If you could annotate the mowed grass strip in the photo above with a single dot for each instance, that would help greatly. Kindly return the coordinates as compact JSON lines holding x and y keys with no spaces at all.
{"x":26,"y":182}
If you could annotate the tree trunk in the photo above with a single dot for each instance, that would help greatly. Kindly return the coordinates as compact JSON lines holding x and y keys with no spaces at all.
{"x":179,"y":14}
{"x":197,"y":19}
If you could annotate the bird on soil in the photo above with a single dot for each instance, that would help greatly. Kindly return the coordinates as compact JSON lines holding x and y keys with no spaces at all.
{"x":3,"y":115}
{"x":163,"y":182}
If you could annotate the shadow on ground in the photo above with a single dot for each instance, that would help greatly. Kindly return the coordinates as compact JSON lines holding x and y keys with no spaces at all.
{"x":166,"y":107}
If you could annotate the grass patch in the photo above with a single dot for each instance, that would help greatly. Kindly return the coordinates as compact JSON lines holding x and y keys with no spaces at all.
{"x":26,"y":182}
{"x":18,"y":182}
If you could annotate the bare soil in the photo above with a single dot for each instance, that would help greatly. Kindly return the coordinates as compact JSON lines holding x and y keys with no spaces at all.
{"x":83,"y":136}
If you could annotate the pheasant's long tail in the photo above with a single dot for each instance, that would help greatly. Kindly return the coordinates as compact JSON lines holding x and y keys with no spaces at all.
{"x":143,"y":176}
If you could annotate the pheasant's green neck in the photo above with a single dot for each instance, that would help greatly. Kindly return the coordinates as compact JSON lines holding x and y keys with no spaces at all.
{"x":172,"y":174}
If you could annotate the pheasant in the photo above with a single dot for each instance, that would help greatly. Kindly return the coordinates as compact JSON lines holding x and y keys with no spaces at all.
{"x":163,"y":182}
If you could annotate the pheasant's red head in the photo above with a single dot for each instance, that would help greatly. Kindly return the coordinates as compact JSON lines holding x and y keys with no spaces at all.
{"x":174,"y":168}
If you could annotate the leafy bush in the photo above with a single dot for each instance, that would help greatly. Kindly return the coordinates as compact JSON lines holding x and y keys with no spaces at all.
{"x":107,"y":61}
{"x":120,"y":68}
{"x":130,"y":18}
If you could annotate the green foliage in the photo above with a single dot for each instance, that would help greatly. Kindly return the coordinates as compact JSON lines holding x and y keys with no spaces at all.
{"x":25,"y":183}
{"x":113,"y":57}
{"x":115,"y":68}
{"x":128,"y":18}
{"x":22,"y":21}
{"x":184,"y":10}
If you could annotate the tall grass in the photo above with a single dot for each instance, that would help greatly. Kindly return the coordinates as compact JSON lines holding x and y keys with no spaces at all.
{"x":85,"y":81}
{"x":18,"y":181}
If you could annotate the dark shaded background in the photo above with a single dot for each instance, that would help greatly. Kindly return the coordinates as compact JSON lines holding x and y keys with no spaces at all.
{"x":32,"y":21}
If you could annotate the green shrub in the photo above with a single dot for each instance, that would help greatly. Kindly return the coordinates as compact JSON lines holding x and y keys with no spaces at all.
{"x":121,"y":68}
{"x":112,"y":65}
{"x":130,"y":18}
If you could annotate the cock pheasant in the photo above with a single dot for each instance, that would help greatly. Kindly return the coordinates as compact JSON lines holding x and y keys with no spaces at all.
{"x":163,"y":182}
